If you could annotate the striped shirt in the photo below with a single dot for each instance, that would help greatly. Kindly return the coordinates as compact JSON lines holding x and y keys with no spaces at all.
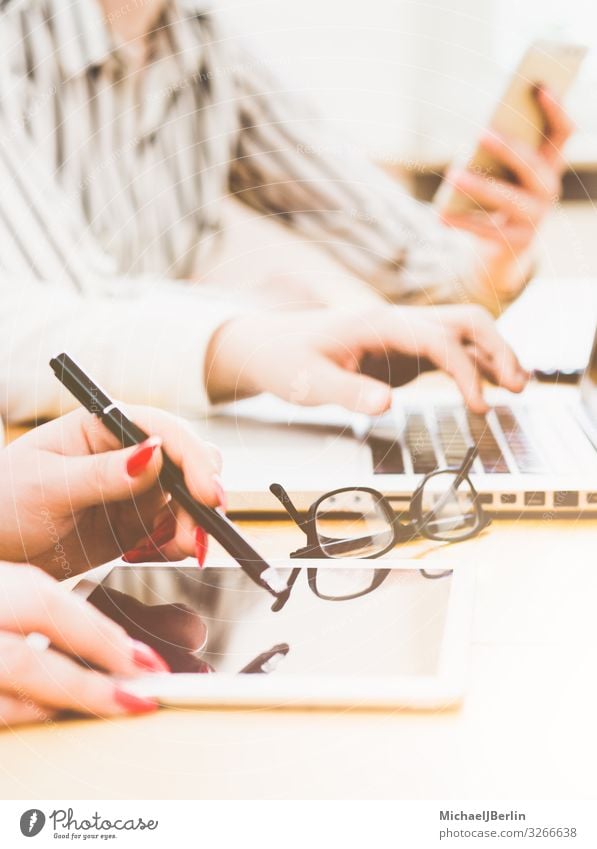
{"x":113,"y":182}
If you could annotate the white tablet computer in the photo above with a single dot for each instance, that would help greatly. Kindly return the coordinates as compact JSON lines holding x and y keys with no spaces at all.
{"x":405,"y":644}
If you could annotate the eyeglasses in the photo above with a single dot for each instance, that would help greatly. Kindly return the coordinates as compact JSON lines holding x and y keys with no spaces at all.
{"x":360,"y":522}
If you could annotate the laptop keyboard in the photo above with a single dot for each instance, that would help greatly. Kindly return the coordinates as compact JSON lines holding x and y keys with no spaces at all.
{"x":490,"y":453}
{"x":453,"y":441}
{"x":526,"y":458}
{"x":429,"y":439}
{"x":420,"y":444}
{"x":386,"y":456}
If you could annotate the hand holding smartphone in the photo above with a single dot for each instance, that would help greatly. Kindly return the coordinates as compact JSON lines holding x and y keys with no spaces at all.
{"x":518,"y":115}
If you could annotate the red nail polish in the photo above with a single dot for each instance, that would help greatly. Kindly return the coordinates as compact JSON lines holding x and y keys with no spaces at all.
{"x":163,"y":533}
{"x":149,"y":547}
{"x":222,"y":500}
{"x":140,"y":458}
{"x":146,"y":658}
{"x":143,"y":554}
{"x":134,"y":704}
{"x":135,"y":555}
{"x":201,"y":544}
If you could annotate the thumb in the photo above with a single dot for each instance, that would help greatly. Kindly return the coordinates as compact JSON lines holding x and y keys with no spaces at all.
{"x":112,"y":475}
{"x":356,"y":392}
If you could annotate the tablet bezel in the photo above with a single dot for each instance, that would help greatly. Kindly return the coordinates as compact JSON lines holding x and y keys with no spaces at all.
{"x":444,"y":689}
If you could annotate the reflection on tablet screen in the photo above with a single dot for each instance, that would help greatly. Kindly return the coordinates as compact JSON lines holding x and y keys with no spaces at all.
{"x":217,"y":619}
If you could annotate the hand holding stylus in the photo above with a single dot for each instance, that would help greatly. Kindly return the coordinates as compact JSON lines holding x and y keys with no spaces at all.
{"x":176,"y":479}
{"x":78,"y":498}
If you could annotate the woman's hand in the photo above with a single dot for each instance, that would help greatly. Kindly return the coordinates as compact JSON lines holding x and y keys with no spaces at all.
{"x":514,"y":211}
{"x":74,"y":498}
{"x":316,"y":356}
{"x":36,"y":682}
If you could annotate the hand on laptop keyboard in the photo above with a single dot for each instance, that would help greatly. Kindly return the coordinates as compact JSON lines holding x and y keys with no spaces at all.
{"x":316,"y":356}
{"x":395,"y":368}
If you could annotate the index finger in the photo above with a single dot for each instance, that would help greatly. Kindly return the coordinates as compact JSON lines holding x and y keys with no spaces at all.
{"x":559,"y":126}
{"x":200,"y":461}
{"x":498,"y":358}
{"x":447,"y":352}
{"x":53,"y":680}
{"x":528,"y":166}
{"x":40,"y":605}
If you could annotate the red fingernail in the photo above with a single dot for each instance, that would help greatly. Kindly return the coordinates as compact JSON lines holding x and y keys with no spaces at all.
{"x":204,"y":668}
{"x":201,"y":544}
{"x":146,"y":658}
{"x":134,"y":704}
{"x":163,"y":533}
{"x":149,"y":548}
{"x":222,"y":500}
{"x":140,"y":458}
{"x":134,"y":555}
{"x":143,"y":554}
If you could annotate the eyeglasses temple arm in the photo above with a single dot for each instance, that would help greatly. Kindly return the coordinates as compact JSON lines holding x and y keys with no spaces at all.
{"x":461,"y":474}
{"x":280,"y":493}
{"x":466,"y":464}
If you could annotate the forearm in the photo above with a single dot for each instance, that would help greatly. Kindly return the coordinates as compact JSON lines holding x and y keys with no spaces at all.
{"x":501,"y":276}
{"x":290,"y":166}
{"x":147,"y":349}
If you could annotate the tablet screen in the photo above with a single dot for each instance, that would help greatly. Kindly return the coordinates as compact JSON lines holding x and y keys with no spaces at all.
{"x":218,"y":619}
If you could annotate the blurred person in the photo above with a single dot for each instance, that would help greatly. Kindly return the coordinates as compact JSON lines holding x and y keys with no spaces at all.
{"x":123,"y":129}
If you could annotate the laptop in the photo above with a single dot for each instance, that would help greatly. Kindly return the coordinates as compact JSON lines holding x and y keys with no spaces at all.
{"x":537,"y":451}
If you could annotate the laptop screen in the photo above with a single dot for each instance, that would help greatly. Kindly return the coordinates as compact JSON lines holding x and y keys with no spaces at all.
{"x":589,"y":383}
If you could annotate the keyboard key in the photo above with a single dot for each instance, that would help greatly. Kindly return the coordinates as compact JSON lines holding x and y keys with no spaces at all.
{"x":527,"y":459}
{"x":386,"y":455}
{"x":453,"y":441}
{"x":420,"y":444}
{"x":490,"y":453}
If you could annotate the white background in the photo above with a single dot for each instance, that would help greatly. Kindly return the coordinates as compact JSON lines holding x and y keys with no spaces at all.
{"x":414,"y":77}
{"x":301,"y":825}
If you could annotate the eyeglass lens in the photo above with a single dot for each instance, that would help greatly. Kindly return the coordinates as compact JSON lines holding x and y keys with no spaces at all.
{"x":352,"y":523}
{"x":448,"y":507}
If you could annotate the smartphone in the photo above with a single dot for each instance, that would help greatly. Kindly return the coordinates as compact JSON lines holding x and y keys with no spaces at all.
{"x":518,"y":115}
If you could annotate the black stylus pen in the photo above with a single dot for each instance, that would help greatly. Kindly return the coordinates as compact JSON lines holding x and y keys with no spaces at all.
{"x":128,"y":433}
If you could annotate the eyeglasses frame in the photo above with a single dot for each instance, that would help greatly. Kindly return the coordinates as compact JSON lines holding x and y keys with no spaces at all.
{"x":416,"y":526}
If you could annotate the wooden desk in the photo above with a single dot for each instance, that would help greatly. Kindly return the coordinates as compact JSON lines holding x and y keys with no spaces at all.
{"x":526,"y":729}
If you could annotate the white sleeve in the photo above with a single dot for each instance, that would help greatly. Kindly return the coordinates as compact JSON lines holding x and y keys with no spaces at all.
{"x":145,"y":349}
{"x":143,"y":338}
